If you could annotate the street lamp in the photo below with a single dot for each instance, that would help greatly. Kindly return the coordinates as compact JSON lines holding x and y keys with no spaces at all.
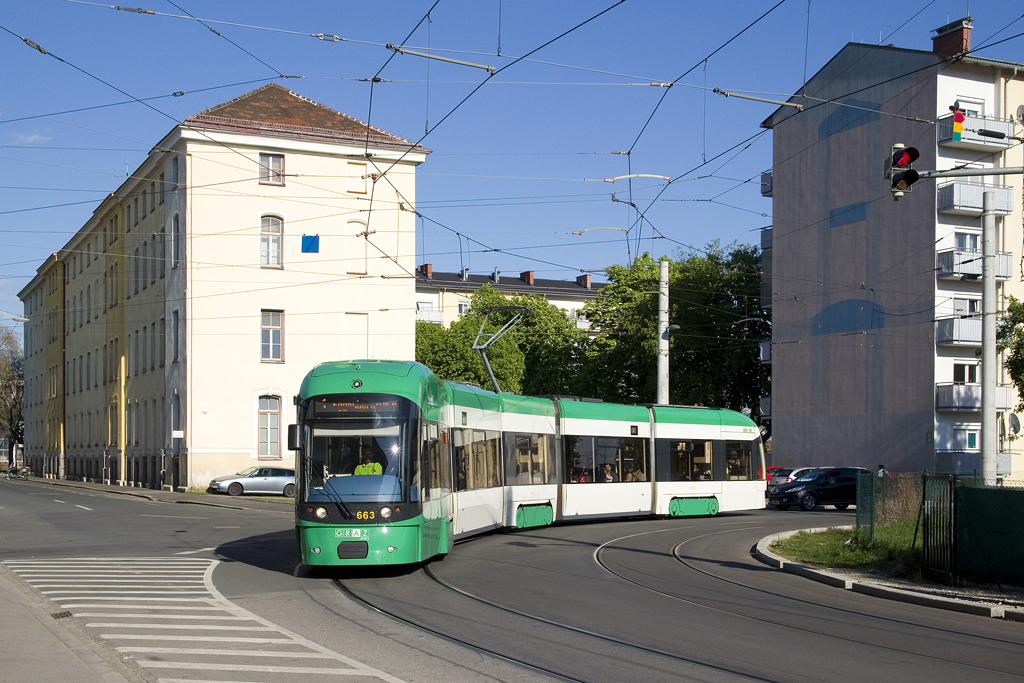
{"x":20,"y":319}
{"x":637,"y":175}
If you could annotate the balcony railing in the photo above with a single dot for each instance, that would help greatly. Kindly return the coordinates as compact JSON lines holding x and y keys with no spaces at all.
{"x":967,"y":397}
{"x":765,"y":351}
{"x":429,"y":315}
{"x":966,"y":265}
{"x":958,"y":332}
{"x":970,"y":139}
{"x":964,"y":198}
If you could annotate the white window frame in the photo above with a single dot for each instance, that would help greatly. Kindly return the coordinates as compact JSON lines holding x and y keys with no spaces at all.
{"x":277,"y":414}
{"x":271,"y":169}
{"x":271,"y":242}
{"x":267,"y":331}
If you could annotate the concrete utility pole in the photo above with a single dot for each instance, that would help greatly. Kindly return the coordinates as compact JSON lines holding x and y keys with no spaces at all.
{"x":989,"y":431}
{"x":663,"y":334}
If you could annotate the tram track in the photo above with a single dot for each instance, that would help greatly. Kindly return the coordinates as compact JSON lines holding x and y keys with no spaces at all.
{"x":736,"y":613}
{"x":618,"y":642}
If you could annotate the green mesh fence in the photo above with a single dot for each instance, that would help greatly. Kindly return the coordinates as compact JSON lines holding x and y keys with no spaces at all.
{"x":989,"y":529}
{"x":866,"y":505}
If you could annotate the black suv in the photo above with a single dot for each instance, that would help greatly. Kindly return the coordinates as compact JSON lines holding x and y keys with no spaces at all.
{"x":826,"y":486}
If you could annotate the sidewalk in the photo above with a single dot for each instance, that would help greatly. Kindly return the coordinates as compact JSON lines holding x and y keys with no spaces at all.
{"x":273,"y":503}
{"x":877,"y":588}
{"x":39,"y":646}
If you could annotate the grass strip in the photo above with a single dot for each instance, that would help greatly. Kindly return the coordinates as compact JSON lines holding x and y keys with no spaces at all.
{"x":889,"y":551}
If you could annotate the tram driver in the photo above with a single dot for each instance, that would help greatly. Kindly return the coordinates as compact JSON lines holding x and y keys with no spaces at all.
{"x":367,"y":464}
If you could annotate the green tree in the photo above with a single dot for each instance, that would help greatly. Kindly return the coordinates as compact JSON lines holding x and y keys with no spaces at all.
{"x":714,"y":299}
{"x":542,"y":354}
{"x":1010,"y":340}
{"x":12,"y":389}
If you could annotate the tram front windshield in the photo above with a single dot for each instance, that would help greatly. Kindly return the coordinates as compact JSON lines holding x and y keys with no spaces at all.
{"x":358,"y":449}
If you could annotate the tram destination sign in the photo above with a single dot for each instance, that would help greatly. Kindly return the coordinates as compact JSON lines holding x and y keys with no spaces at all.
{"x":365,"y":406}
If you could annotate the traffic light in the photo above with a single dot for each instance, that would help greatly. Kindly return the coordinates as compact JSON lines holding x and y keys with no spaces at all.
{"x":901,"y":174}
{"x":958,"y":120}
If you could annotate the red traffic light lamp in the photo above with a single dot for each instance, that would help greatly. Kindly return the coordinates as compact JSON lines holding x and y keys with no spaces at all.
{"x":901,"y":175}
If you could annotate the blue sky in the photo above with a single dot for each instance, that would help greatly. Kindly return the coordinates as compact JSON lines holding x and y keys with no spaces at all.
{"x":517,"y":167}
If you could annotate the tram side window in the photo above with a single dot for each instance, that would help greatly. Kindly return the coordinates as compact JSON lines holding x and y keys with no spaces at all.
{"x":529,"y":459}
{"x":477,"y":458}
{"x":605,"y":459}
{"x":739,"y":461}
{"x":684,"y":460}
{"x":437,"y":475}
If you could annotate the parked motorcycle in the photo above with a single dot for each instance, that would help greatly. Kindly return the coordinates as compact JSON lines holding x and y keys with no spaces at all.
{"x":17,"y":473}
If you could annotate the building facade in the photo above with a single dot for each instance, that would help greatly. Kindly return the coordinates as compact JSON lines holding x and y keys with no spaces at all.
{"x":259,"y":238}
{"x":876,"y":304}
{"x":442,"y":297}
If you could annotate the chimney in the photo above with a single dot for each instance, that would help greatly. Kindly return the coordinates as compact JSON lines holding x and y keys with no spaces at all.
{"x":465,"y":274}
{"x":953,"y":38}
{"x":497,"y":275}
{"x":526,"y":276}
{"x":427,"y":269}
{"x":584,"y":280}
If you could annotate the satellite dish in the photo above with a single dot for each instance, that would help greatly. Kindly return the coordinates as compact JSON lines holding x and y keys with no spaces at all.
{"x":1020,"y":114}
{"x":1014,"y":424}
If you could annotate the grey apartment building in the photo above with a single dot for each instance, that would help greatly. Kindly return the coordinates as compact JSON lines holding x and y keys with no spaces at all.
{"x":876,"y":325}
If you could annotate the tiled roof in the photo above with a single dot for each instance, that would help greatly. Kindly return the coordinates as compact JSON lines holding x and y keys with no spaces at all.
{"x":508,"y":284}
{"x":274,"y":110}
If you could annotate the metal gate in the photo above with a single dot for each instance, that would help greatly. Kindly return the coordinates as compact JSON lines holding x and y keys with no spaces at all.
{"x":939,"y":552}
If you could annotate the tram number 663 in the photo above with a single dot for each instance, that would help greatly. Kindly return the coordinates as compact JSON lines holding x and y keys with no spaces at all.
{"x":361,"y":514}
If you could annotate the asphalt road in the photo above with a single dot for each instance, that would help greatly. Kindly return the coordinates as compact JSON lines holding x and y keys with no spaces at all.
{"x":651,"y":600}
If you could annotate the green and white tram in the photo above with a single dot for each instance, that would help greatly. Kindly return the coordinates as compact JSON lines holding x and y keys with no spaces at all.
{"x":394,"y":464}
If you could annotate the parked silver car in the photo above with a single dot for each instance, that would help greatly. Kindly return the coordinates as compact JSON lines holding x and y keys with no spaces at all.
{"x":789,"y":475}
{"x":273,"y":480}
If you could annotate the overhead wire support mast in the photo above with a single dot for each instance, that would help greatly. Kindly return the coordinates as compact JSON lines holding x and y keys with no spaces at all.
{"x":405,"y":51}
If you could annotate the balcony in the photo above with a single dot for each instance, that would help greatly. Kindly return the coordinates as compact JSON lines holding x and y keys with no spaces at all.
{"x":766,"y":239}
{"x":969,"y":139}
{"x":766,"y":181}
{"x":966,"y":265}
{"x":766,"y":407}
{"x":967,"y":397}
{"x":958,"y":332}
{"x":765,"y":351}
{"x":963,"y":198}
{"x":429,"y":315}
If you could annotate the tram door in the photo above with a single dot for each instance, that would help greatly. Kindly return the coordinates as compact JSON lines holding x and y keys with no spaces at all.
{"x":477,"y":466}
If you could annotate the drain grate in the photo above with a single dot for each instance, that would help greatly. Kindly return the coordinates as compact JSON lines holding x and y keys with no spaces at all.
{"x":61,"y":615}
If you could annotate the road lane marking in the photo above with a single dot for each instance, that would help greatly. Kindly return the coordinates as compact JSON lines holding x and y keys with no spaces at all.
{"x":193,"y":552}
{"x":171,"y":516}
{"x":145,"y":607}
{"x":159,"y":664}
{"x":225,"y":653}
{"x":216,"y":527}
{"x":191,"y":639}
{"x":59,"y":501}
{"x":83,"y":507}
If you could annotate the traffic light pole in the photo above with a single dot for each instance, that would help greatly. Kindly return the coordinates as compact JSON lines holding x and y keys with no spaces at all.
{"x":989,"y":428}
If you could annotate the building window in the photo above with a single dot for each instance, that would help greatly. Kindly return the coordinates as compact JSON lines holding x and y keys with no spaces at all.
{"x":163,"y":185}
{"x":271,"y":336}
{"x":152,"y":196}
{"x":270,"y":427}
{"x":135,"y":211}
{"x":135,"y":354}
{"x":271,"y":233}
{"x":356,"y":178}
{"x":271,"y":169}
{"x":145,"y":337}
{"x":152,"y":346}
{"x":463,"y":307}
{"x":163,"y":253}
{"x":356,"y":255}
{"x":145,"y":264}
{"x":135,"y":288}
{"x":965,"y":373}
{"x":175,"y":236}
{"x":163,"y":341}
{"x":174,"y":173}
{"x":174,"y":335}
{"x":143,"y":204}
{"x":966,"y":241}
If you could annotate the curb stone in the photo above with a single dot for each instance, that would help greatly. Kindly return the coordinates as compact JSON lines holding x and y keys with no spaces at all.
{"x":769,"y":558}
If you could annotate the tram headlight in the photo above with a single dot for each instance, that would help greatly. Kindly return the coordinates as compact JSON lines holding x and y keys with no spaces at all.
{"x":321,"y":513}
{"x":385,"y":513}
